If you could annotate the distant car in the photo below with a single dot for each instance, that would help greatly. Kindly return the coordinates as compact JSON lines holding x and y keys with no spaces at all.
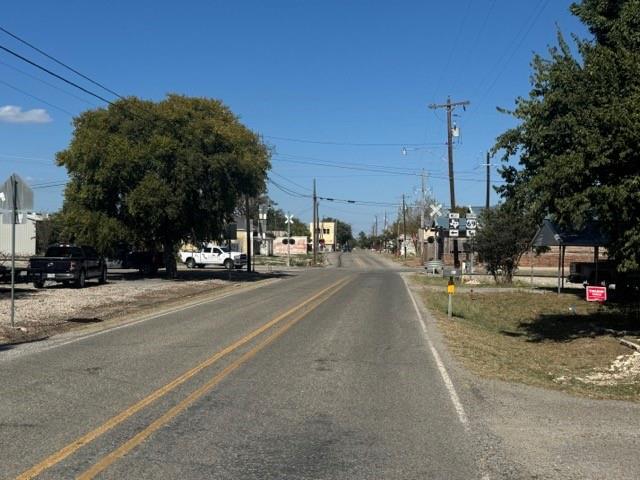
{"x":67,"y":264}
{"x":211,"y":254}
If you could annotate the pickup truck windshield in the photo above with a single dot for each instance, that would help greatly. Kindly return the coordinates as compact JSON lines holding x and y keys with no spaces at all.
{"x":64,"y":252}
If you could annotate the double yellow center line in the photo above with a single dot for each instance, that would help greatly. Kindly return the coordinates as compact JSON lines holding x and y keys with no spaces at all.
{"x":296,"y":313}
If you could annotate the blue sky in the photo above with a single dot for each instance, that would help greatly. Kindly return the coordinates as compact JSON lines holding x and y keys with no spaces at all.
{"x":334,"y":72}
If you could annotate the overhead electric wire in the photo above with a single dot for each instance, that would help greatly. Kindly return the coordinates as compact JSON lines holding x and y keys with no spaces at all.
{"x":59,"y":62}
{"x":327,"y":142}
{"x":27,"y":74}
{"x":290,"y":181}
{"x":53,"y":74}
{"x":36,"y":98}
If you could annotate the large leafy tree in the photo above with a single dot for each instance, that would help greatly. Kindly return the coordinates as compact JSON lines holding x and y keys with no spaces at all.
{"x":158,"y":173}
{"x":578,"y":138}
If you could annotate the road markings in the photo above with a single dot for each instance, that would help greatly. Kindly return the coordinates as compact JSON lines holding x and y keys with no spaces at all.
{"x":457,"y":405}
{"x":141,"y":436}
{"x":144,"y":318}
{"x":74,"y":446}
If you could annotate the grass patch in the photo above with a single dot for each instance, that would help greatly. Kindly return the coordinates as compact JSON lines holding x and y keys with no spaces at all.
{"x":537,"y":339}
{"x":484,"y":282}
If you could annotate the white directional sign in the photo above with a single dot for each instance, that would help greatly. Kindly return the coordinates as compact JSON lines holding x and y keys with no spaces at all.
{"x":453,"y":232}
{"x":288,"y":219}
{"x":471,"y":233}
{"x":436,"y":210}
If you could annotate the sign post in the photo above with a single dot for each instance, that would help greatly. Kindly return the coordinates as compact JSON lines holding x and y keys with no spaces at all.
{"x":451,"y":289}
{"x":288,"y":221}
{"x":15,"y":198}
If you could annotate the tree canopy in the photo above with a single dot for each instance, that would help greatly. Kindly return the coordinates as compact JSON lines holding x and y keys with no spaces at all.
{"x":578,"y":137}
{"x":276,"y":219}
{"x":158,"y":173}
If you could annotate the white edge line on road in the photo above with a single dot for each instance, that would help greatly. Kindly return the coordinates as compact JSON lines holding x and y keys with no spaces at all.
{"x":15,"y":354}
{"x":441,"y":368}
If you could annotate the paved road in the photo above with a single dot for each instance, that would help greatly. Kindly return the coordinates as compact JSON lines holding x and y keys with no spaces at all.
{"x":324,"y":374}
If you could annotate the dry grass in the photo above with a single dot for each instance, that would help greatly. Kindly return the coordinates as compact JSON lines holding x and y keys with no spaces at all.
{"x":534,"y":338}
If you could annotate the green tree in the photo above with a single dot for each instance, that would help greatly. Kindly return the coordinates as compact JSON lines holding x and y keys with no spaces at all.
{"x":276,"y":218}
{"x":578,"y":138}
{"x":505,"y":236}
{"x":158,"y":173}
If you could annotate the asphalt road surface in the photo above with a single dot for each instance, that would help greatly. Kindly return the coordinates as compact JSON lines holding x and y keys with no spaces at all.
{"x":324,"y":374}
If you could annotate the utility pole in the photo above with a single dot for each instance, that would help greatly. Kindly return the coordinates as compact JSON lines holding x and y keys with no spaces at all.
{"x":486,"y":203}
{"x":249,"y":235}
{"x":375,"y":231}
{"x":289,"y":218}
{"x":404,"y":228}
{"x":422,"y":225}
{"x":14,"y":219}
{"x":315,"y":226}
{"x":449,"y":106}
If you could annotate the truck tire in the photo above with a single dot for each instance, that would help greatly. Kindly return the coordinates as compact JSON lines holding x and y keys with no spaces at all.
{"x":103,"y":276}
{"x":228,"y":264}
{"x":190,"y":263}
{"x":38,"y":283}
{"x":81,"y":280}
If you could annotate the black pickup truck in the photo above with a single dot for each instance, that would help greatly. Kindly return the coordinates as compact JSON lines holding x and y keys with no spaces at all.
{"x":67,"y":264}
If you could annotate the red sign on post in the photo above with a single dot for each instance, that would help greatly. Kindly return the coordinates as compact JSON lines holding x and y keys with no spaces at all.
{"x":596,"y":294}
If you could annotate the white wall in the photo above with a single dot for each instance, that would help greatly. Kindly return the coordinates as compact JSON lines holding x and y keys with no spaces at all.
{"x":25,"y":239}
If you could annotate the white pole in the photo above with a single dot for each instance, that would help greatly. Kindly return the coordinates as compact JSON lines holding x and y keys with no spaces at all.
{"x":14,"y":194}
{"x":288,"y":240}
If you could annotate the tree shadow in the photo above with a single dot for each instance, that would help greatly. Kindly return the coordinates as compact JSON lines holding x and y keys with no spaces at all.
{"x":239,"y":276}
{"x":616,"y":321}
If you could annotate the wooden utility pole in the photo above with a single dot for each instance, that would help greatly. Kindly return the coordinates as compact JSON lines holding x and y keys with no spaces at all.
{"x":449,"y":106}
{"x":315,"y":224}
{"x":404,"y":228}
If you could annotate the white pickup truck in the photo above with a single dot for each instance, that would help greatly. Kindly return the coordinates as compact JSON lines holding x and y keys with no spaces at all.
{"x":213,"y":255}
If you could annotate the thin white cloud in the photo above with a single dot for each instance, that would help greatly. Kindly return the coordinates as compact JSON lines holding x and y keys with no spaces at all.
{"x":13,"y":114}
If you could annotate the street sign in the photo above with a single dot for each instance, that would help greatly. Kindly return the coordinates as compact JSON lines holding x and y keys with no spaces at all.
{"x":451,"y":289}
{"x":454,"y":215}
{"x":288,"y":219}
{"x":472,"y":223}
{"x":454,"y":223}
{"x":596,"y":294}
{"x":453,"y":232}
{"x":23,"y":197}
{"x":436,"y":210}
{"x":471,"y":233}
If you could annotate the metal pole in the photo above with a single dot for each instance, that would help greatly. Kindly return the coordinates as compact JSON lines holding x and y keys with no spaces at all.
{"x":249,"y":235}
{"x":404,"y":228}
{"x":14,"y":195}
{"x":487,"y":200}
{"x":450,"y":306}
{"x":288,"y":240}
{"x":315,"y":226}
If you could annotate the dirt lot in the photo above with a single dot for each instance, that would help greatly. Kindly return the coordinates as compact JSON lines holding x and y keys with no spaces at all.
{"x":56,"y":308}
{"x":540,"y":338}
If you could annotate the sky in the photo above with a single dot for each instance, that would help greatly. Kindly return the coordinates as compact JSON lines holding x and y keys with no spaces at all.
{"x":337,"y":88}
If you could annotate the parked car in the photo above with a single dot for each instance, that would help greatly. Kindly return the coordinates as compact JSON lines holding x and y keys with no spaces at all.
{"x":67,"y":264}
{"x":125,"y":256}
{"x":213,"y":255}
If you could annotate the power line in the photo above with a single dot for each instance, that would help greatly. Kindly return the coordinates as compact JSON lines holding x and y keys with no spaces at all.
{"x":36,"y":98}
{"x":327,"y":142}
{"x":53,"y":74}
{"x":59,"y":62}
{"x":48,"y":83}
{"x":290,"y":181}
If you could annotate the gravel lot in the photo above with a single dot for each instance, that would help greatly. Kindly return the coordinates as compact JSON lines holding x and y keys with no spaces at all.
{"x":56,"y":308}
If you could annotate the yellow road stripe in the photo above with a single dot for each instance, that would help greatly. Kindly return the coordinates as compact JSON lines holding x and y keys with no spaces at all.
{"x":141,"y":436}
{"x":74,"y":446}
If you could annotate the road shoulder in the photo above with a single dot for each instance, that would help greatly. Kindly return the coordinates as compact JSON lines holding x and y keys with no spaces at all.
{"x":530,"y":432}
